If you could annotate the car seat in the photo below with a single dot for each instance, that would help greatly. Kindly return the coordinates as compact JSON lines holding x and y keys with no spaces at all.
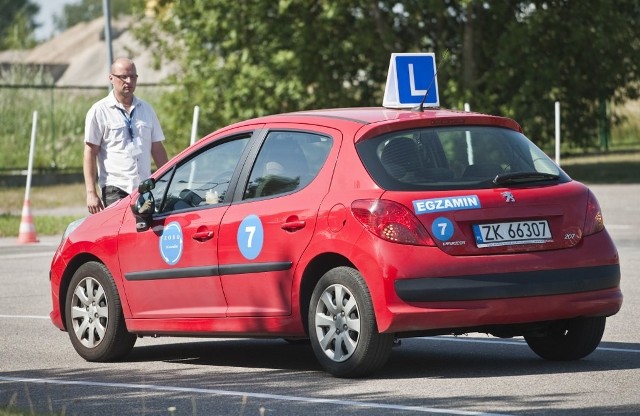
{"x":285,"y":167}
{"x":400,"y":157}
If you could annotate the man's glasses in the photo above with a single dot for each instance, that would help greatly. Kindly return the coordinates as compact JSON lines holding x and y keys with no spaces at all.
{"x":124,"y":78}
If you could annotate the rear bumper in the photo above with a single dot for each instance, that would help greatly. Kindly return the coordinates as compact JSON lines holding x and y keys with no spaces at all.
{"x":504,"y":298}
{"x":424,"y":289}
{"x":425,"y":316}
{"x":509,"y":285}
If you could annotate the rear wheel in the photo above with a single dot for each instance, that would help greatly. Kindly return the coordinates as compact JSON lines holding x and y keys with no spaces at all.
{"x":568,"y":340}
{"x":342,"y":326}
{"x":94,"y":316}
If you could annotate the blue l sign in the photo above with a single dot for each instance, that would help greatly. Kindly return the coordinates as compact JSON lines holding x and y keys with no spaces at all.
{"x":410,"y":77}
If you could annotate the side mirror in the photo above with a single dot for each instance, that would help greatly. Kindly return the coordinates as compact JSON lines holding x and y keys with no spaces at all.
{"x":143,"y":209}
{"x":146,"y":185}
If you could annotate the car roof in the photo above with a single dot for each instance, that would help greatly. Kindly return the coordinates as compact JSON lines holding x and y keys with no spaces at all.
{"x":366,"y":122}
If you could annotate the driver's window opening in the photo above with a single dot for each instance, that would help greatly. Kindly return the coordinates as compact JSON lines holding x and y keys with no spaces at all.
{"x":203,"y":180}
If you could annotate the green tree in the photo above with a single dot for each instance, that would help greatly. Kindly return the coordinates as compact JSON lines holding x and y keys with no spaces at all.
{"x":241,"y":59}
{"x":17,"y":24}
{"x":87,"y":10}
{"x":534,"y":53}
{"x":250,"y":58}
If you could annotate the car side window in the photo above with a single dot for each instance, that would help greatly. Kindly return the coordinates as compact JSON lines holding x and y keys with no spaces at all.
{"x":287,"y":161}
{"x":200,"y":181}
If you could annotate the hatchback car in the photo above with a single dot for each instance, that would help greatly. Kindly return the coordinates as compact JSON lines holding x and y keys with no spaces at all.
{"x":349,"y":228}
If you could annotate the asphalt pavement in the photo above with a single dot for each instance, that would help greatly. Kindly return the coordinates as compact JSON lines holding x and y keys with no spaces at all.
{"x":40,"y":373}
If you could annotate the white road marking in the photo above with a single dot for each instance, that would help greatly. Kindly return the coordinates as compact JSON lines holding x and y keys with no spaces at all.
{"x":25,"y":255}
{"x":24,"y":316}
{"x":519,"y":343}
{"x":153,"y":387}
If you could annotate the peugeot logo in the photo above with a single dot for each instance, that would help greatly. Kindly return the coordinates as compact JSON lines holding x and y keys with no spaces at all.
{"x":508,"y":197}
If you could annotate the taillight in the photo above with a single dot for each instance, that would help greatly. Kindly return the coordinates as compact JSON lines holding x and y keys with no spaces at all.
{"x":593,"y":222}
{"x":391,"y":221}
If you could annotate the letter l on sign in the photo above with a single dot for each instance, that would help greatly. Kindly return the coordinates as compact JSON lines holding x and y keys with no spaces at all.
{"x":410,"y":77}
{"x":412,"y":82}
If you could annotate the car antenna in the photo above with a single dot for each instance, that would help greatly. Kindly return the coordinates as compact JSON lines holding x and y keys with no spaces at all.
{"x":420,"y":107}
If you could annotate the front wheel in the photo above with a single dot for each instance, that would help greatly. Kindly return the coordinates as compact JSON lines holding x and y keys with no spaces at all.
{"x":342,"y":326}
{"x":94,"y":316}
{"x":568,"y":340}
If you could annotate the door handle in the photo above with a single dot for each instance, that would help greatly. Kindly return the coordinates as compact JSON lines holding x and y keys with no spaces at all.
{"x":203,"y":235}
{"x":293,"y":225}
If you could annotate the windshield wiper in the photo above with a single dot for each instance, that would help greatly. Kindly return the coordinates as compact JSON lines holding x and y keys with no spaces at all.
{"x":523,"y":177}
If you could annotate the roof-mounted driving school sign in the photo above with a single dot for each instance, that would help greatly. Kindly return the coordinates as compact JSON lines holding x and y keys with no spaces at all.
{"x":411,"y":76}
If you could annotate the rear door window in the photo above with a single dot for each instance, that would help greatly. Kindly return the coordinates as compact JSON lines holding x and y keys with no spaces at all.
{"x":287,"y":161}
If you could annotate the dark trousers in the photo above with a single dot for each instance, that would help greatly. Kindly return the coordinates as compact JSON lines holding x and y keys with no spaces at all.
{"x":111,"y":194}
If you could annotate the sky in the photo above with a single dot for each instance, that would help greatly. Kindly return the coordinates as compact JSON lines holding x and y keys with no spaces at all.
{"x":49,"y":8}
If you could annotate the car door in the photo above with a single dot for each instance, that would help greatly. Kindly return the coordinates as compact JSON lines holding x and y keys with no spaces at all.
{"x":171,"y":269}
{"x":265,"y":233}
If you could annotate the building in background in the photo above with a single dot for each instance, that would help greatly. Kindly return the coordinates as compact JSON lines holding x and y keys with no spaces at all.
{"x":77,"y":57}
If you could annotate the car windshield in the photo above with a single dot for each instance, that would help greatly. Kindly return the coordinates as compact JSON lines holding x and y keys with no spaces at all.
{"x":457,"y":157}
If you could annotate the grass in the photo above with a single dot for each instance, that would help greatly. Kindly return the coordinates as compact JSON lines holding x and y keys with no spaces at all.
{"x":60,"y":121}
{"x":44,"y":225}
{"x":49,"y":202}
{"x":621,"y":167}
{"x":43,"y":197}
{"x":52,"y":208}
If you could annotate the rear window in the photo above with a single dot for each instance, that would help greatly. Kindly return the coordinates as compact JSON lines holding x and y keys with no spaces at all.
{"x":456,"y":157}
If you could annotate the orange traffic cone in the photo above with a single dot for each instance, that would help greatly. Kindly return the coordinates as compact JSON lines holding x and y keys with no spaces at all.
{"x":27,"y":229}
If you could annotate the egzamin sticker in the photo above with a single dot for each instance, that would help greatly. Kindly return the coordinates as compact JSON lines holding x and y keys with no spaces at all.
{"x":454,"y":203}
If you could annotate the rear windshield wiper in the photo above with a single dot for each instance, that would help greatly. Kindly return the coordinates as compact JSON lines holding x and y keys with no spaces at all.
{"x":523,"y":177}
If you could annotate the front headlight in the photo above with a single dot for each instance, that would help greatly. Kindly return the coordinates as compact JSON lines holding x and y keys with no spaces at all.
{"x":71,"y":227}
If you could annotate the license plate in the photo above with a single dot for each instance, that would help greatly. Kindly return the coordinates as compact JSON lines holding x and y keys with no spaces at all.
{"x":512,"y":233}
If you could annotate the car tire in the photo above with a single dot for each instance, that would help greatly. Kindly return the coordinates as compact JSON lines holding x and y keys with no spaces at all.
{"x":569,"y":340}
{"x":94,"y":317}
{"x":342,"y":326}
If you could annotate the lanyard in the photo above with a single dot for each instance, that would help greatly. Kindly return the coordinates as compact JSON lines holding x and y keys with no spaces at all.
{"x":128,"y":120}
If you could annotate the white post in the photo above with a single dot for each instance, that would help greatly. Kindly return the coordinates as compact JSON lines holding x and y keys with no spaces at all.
{"x":194,"y":124}
{"x":106,"y":11}
{"x":558,"y":133}
{"x":34,"y":130}
{"x":194,"y":132}
{"x":467,"y":108}
{"x":27,"y":232}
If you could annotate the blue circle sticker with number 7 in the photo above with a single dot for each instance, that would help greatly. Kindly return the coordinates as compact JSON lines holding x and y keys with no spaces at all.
{"x":442,"y":229}
{"x":250,"y":237}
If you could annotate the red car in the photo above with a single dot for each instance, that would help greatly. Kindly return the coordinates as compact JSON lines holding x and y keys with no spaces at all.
{"x":351,"y":228}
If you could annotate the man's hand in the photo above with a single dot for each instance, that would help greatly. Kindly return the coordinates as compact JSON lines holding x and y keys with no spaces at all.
{"x":89,"y":168}
{"x":146,"y":207}
{"x":94,"y":203}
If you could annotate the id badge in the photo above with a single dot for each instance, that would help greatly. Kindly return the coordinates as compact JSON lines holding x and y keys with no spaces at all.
{"x":135,"y":147}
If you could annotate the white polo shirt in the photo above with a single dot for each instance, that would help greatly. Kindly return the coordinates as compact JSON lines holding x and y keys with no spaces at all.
{"x":107,"y":126}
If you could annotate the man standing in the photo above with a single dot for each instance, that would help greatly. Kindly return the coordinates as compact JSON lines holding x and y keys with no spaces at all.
{"x":122,"y":134}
